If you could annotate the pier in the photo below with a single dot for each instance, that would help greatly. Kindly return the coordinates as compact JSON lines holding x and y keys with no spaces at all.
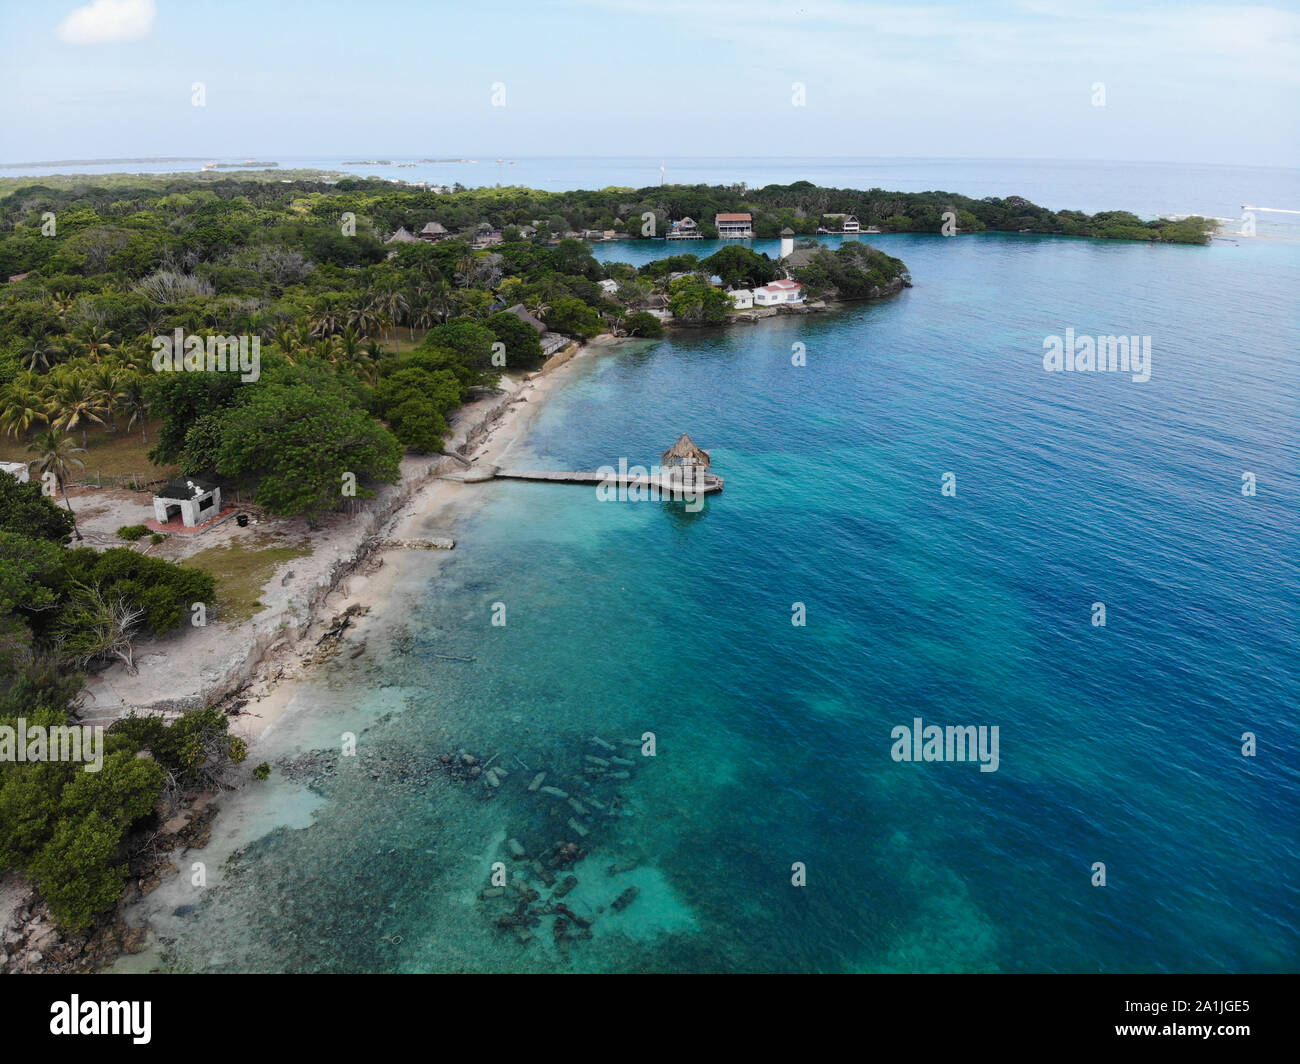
{"x":683,"y":471}
{"x":667,"y":483}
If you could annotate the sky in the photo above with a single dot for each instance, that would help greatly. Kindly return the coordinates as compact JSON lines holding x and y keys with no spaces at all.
{"x":1135,"y":80}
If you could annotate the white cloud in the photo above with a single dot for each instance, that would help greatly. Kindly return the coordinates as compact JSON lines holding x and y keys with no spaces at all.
{"x":107,"y":21}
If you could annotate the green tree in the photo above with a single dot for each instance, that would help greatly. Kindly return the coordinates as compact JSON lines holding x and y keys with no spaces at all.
{"x":641,"y":323}
{"x":27,"y":511}
{"x":298,"y":445}
{"x":523,"y":349}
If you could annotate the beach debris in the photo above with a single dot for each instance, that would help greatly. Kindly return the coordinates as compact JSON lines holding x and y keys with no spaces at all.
{"x":601,"y":742}
{"x":575,"y":826}
{"x":537,"y":781}
{"x":448,"y":657}
{"x":593,"y":759}
{"x":626,"y":898}
{"x":555,"y":792}
{"x":619,"y":869}
{"x":566,"y":885}
{"x":624,"y":775}
{"x":622,"y":761}
{"x":491,"y":778}
{"x":339,"y":624}
{"x":577,"y":807}
{"x":492,"y":892}
{"x":516,"y":849}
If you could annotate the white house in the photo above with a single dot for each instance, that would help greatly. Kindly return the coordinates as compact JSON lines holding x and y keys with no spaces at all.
{"x":609,"y":286}
{"x":779,"y":293}
{"x":193,"y":501}
{"x":851,"y":225}
{"x":686,"y":229}
{"x":17,"y":470}
{"x":741,"y":298}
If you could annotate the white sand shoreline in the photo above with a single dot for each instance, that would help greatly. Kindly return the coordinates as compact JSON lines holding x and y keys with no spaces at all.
{"x":493,"y":427}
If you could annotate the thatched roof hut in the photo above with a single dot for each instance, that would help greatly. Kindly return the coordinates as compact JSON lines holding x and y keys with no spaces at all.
{"x":521,"y":312}
{"x":684,"y":453}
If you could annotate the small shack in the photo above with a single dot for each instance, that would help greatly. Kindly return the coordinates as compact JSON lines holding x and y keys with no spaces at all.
{"x":194,"y":501}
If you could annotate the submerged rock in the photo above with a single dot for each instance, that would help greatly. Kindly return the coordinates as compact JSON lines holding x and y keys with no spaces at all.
{"x":626,"y":898}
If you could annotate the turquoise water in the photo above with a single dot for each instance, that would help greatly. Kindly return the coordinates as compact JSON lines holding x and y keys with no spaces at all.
{"x":1119,"y":744}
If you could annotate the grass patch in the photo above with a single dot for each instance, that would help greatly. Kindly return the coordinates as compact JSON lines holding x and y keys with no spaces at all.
{"x":112,"y":454}
{"x":400,"y":344}
{"x":243,"y":571}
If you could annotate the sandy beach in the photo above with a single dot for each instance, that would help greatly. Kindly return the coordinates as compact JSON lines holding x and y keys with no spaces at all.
{"x":260,"y":662}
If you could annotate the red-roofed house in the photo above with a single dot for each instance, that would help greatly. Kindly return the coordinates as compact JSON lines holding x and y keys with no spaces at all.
{"x":778,"y":293}
{"x":734,"y":225}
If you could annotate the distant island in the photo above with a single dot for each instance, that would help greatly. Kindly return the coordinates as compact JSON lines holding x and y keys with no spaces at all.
{"x":104,"y":162}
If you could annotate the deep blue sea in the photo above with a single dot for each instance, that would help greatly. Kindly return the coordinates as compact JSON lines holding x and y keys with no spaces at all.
{"x":1119,"y":744}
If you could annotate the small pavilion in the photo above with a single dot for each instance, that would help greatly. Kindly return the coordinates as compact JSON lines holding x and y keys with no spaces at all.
{"x":194,"y":501}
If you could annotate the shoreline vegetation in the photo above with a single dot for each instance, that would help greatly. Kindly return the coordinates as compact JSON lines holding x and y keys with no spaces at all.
{"x":384,"y":360}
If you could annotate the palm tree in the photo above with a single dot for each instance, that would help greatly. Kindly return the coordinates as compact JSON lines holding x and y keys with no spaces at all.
{"x":327,"y":322}
{"x":286,"y":343}
{"x":94,"y":339}
{"x":36,"y":351}
{"x":54,"y":454}
{"x":134,"y":401}
{"x":363,"y":318}
{"x":107,"y":382}
{"x":74,"y":401}
{"x":23,"y":406}
{"x":153,"y":321}
{"x":349,"y":345}
{"x":395,"y":305}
